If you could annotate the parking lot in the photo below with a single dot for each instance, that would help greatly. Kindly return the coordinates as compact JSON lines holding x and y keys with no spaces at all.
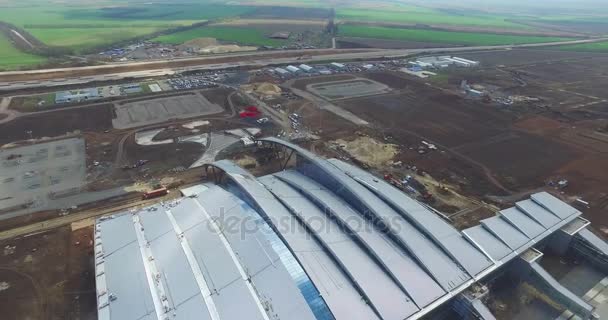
{"x":344,"y":89}
{"x":151,"y":111}
{"x":32,"y":174}
{"x":193,"y":82}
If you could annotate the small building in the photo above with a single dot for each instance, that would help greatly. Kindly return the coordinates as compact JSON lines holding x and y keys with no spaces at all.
{"x":306,"y":68}
{"x":459,"y":63}
{"x":470,"y":62}
{"x":131,"y":88}
{"x":281,"y":71}
{"x":336,"y":65}
{"x":280,"y":35}
{"x":421,"y":64}
{"x":475,"y":93}
{"x":292,"y":69}
{"x":77,"y":95}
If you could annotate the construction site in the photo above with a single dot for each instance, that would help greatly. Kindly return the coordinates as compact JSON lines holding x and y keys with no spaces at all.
{"x":465,"y":157}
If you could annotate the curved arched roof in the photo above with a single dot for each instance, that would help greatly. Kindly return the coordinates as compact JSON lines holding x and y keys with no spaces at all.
{"x":329,"y":240}
{"x":405,"y":260}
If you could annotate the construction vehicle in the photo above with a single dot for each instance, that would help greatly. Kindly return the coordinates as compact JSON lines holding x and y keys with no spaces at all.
{"x":155,"y":193}
{"x":396,"y":183}
{"x":427,"y":197}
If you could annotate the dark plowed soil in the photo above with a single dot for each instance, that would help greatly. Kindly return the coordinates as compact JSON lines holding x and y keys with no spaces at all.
{"x":94,"y":118}
{"x":50,"y":276}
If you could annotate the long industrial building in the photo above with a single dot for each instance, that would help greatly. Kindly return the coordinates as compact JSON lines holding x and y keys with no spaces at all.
{"x":321,"y":239}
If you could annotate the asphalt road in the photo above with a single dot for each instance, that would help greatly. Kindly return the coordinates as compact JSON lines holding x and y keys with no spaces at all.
{"x":62,"y":76}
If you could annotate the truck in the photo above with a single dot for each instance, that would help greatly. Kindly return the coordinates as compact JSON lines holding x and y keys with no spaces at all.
{"x":155,"y":193}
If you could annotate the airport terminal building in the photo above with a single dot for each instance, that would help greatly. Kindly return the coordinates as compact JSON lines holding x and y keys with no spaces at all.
{"x":321,"y":240}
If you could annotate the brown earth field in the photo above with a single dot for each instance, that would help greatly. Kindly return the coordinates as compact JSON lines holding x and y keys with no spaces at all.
{"x":163,"y":157}
{"x":565,"y":81}
{"x":478,"y":136}
{"x":56,"y":123}
{"x":563,"y":135}
{"x":524,"y":56}
{"x":354,"y":42}
{"x":50,"y":276}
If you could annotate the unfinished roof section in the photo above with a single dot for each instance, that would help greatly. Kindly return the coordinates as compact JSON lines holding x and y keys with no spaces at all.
{"x":516,"y":229}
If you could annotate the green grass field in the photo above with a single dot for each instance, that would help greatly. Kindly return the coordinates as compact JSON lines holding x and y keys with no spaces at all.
{"x":463,"y":38}
{"x":416,"y":15}
{"x":243,"y":36}
{"x":83,"y":27}
{"x":587,"y":47}
{"x":78,"y":39}
{"x":11,"y":58}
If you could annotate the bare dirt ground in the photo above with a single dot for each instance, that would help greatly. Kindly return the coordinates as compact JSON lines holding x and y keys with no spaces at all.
{"x":369,"y":151}
{"x":49,"y":275}
{"x":96,"y":118}
{"x":560,"y":136}
{"x":485,"y":149}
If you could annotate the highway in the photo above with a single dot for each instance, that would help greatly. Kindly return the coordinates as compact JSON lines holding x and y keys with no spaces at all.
{"x":15,"y":80}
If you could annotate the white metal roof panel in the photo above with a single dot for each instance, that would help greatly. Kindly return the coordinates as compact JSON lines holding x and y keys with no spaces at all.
{"x":553,"y":204}
{"x":503,"y":230}
{"x":155,"y":222}
{"x":389,"y":301}
{"x":596,"y":241}
{"x":272,"y":282}
{"x":443,"y":268}
{"x":215,"y":262}
{"x":126,"y":279}
{"x":490,"y":243}
{"x":218,"y":268}
{"x":234,"y":302}
{"x":175,"y":271}
{"x":338,"y":291}
{"x":193,"y":190}
{"x":419,"y":285}
{"x":522,"y":222}
{"x":537,"y":213}
{"x":444,"y":235}
{"x":252,"y":248}
{"x":117,"y":232}
{"x":188,"y":215}
{"x":192,"y":309}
